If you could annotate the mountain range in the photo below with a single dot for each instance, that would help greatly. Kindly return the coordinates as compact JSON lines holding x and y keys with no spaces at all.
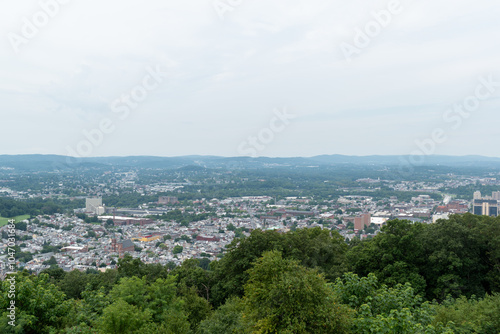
{"x":59,"y":162}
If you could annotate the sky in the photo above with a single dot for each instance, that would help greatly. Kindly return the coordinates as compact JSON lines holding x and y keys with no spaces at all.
{"x":276,"y":78}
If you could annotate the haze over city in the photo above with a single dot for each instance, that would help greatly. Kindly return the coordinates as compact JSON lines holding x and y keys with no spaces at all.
{"x":237,"y":166}
{"x":205,"y":77}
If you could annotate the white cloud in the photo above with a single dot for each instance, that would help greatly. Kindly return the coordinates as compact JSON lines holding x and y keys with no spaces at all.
{"x":226,"y":76}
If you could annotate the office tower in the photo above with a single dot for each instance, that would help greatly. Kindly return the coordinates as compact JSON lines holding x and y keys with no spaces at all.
{"x":487,"y":205}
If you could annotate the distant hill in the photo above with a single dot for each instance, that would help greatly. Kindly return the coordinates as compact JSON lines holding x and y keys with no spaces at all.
{"x":428,"y":160}
{"x":33,"y":162}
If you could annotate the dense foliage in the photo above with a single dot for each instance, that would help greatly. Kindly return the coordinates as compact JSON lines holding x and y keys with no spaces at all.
{"x":35,"y":206}
{"x":410,"y":278}
{"x":459,"y":256}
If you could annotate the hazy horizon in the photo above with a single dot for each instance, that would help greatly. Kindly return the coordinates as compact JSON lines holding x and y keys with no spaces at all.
{"x":239,"y":78}
{"x":262,"y":156}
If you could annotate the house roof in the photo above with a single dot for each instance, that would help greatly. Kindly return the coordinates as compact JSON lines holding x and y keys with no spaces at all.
{"x":127,"y":243}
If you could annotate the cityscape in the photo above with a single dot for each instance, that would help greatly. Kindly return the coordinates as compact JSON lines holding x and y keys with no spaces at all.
{"x":249,"y":167}
{"x":165,"y":230}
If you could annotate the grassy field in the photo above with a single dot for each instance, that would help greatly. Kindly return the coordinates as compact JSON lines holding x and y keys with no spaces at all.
{"x":4,"y":221}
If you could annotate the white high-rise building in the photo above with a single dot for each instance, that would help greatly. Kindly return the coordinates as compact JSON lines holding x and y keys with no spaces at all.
{"x":94,"y":205}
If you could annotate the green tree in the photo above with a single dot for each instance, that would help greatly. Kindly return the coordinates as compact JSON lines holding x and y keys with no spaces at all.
{"x":55,"y":273}
{"x":195,"y":307}
{"x":395,"y":256}
{"x":73,"y":283}
{"x":105,"y":280}
{"x":40,"y":305}
{"x":456,"y":256}
{"x":314,"y":248}
{"x":128,"y":267}
{"x":227,"y":319}
{"x":231,"y":271}
{"x":190,"y":274}
{"x":132,"y":290}
{"x":204,"y":263}
{"x":121,"y":317}
{"x":21,"y":226}
{"x":281,"y":296}
{"x":90,"y":234}
{"x":88,"y":311}
{"x":470,"y":315}
{"x":317,"y":248}
{"x":168,"y":308}
{"x":380,"y":309}
{"x":488,"y":232}
{"x":157,"y":299}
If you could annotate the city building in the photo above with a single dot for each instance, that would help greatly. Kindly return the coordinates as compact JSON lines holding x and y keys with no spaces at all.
{"x":442,"y":215}
{"x":206,"y":238}
{"x":455,"y":206}
{"x":122,"y":246}
{"x":120,"y":220}
{"x":168,"y":200}
{"x":361,"y":222}
{"x":93,"y":205}
{"x":147,"y":238}
{"x":486,"y":205}
{"x":379,"y":218}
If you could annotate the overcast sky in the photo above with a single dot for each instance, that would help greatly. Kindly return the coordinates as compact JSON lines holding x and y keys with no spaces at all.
{"x":342,"y":82}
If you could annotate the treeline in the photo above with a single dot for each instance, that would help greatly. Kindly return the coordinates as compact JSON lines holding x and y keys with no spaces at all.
{"x":280,"y":189}
{"x":128,"y":199}
{"x":35,"y":206}
{"x":459,"y":256}
{"x":467,"y":192}
{"x":410,"y":278}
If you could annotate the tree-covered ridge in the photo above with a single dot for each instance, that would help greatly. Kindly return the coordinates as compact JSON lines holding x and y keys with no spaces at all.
{"x":410,"y":278}
{"x":35,"y":206}
{"x":459,"y":256}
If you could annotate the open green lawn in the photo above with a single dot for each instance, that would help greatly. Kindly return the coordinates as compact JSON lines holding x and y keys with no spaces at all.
{"x":4,"y":221}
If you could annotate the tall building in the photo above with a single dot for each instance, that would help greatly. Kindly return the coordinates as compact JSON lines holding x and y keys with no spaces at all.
{"x":496,"y":195}
{"x":167,"y":200}
{"x":94,"y":205}
{"x":487,"y":205}
{"x":361,"y":222}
